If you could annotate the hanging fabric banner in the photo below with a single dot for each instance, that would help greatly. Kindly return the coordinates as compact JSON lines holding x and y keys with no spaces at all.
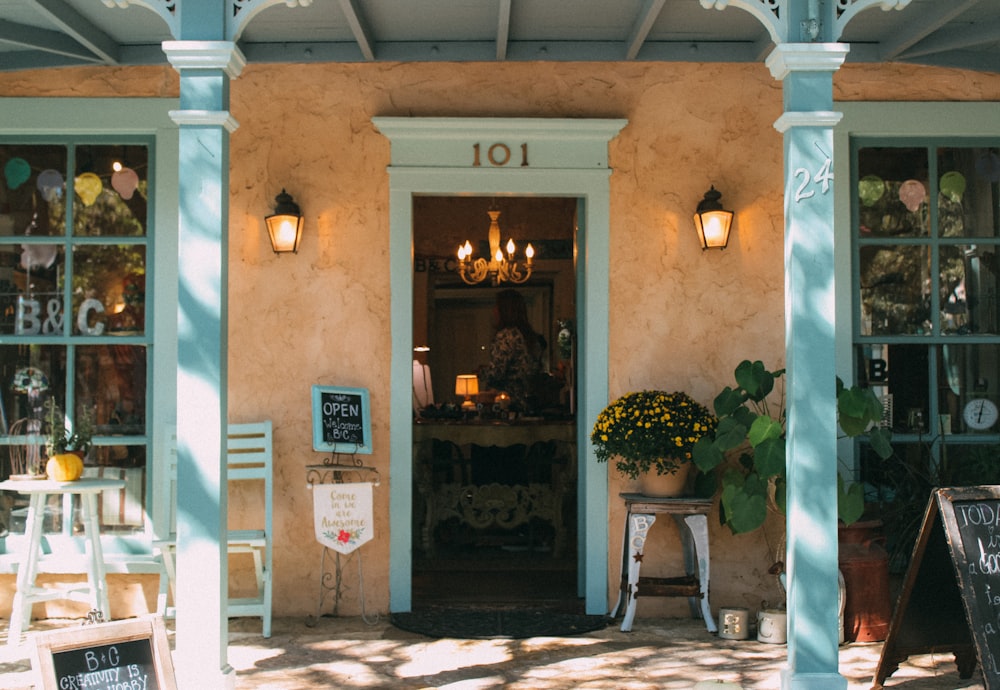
{"x":343,"y":515}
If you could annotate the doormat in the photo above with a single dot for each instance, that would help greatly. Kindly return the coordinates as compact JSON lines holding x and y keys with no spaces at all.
{"x":493,"y":623}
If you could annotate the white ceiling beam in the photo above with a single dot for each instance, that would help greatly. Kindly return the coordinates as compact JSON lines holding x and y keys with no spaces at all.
{"x":503,"y":29}
{"x":643,"y":24}
{"x":33,"y":38}
{"x":79,"y":28}
{"x":911,"y":32}
{"x":955,"y":39}
{"x":359,"y":27}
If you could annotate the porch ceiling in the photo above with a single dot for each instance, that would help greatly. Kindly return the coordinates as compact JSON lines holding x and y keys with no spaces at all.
{"x":55,"y":33}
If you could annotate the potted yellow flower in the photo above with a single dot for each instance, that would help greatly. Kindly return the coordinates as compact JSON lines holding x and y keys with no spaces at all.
{"x":651,"y":430}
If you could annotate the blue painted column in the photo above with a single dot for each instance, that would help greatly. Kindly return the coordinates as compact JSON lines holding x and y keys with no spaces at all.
{"x":806,"y":72}
{"x":202,"y":568}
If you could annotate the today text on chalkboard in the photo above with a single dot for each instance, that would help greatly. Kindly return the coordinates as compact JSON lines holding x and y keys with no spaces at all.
{"x":341,"y":419}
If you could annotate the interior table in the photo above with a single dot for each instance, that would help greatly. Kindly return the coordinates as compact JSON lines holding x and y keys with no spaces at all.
{"x":691,"y":516}
{"x":95,"y":590}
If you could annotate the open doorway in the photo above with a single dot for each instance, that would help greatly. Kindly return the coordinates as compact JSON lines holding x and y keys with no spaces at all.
{"x":495,"y":484}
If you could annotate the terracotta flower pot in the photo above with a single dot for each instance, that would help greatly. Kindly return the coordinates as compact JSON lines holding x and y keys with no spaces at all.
{"x":668,"y":485}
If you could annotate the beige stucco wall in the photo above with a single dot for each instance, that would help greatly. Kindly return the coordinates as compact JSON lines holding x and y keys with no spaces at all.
{"x":680,"y":319}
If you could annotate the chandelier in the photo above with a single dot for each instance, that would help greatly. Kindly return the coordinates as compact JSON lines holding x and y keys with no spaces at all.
{"x":498,"y":268}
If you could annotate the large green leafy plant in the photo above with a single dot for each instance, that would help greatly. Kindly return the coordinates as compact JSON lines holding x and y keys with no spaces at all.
{"x":746,"y":451}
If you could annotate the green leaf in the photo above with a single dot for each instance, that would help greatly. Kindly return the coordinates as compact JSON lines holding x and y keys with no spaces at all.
{"x":729,"y":434}
{"x":762,"y":429}
{"x":850,"y":503}
{"x":780,"y":494}
{"x":744,"y":501}
{"x":755,"y":379}
{"x":728,"y":401}
{"x":706,"y":454}
{"x":858,"y":408}
{"x":880,"y":440}
{"x":769,"y":457}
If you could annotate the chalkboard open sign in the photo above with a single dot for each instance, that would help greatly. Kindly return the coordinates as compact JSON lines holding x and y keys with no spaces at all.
{"x":342,"y":421}
{"x":106,"y":656}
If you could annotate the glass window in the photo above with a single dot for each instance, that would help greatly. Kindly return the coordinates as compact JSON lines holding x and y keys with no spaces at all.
{"x":927,"y":338}
{"x":74,"y":251}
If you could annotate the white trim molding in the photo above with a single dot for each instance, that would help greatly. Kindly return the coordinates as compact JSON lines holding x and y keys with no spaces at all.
{"x":806,"y":57}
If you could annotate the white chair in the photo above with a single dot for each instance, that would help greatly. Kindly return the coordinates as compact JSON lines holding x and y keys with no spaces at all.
{"x":249,"y":460}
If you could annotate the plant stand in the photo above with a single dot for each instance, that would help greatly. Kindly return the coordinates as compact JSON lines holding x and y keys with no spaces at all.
{"x":691,"y":516}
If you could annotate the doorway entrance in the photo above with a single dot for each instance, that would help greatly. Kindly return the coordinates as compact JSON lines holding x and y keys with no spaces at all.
{"x":503,"y":157}
{"x":494,"y":490}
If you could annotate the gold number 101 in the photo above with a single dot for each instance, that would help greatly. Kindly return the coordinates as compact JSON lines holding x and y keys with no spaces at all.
{"x":498,"y":155}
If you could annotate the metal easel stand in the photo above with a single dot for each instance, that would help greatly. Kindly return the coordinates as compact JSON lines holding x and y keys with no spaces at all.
{"x":332,"y":566}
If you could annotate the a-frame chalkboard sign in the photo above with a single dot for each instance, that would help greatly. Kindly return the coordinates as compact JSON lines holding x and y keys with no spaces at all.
{"x":950,"y":600}
{"x":131,"y":653}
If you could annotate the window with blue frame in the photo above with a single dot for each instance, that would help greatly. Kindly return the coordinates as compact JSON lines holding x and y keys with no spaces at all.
{"x":74,"y":241}
{"x":926,"y":221}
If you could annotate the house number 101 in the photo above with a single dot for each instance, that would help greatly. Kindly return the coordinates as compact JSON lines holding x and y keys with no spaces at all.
{"x":498,"y":155}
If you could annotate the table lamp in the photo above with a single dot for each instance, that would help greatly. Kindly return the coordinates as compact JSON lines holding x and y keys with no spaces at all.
{"x":467,"y":385}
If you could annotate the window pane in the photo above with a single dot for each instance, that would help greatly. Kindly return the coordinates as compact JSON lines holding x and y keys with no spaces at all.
{"x":895,"y":282}
{"x":111,"y":381}
{"x":969,"y":288}
{"x":898,"y":374}
{"x":967,"y":196}
{"x":110,"y":188}
{"x":32,"y":195}
{"x":109,"y":289}
{"x":30,"y":376}
{"x":968,"y":374}
{"x":892,"y":192}
{"x":31,"y":294}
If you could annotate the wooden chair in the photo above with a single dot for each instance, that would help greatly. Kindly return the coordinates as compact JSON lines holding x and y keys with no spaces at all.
{"x":249,"y":461}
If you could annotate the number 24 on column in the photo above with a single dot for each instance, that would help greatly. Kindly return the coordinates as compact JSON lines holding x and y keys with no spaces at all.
{"x":823,"y":177}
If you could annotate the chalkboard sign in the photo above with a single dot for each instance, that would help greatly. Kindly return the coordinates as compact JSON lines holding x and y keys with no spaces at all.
{"x":951,"y":596}
{"x":342,"y":421}
{"x":106,"y":656}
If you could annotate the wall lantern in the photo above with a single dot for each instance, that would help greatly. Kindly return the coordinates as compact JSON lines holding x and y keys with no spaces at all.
{"x":712,"y":221}
{"x":285,"y":226}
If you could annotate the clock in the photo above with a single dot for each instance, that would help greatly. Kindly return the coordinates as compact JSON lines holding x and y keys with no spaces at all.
{"x":980,"y":414}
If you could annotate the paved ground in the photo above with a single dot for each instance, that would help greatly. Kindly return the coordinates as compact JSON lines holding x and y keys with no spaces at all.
{"x":659,"y":653}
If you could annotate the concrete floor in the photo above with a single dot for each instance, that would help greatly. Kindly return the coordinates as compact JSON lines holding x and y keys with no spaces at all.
{"x":659,"y":653}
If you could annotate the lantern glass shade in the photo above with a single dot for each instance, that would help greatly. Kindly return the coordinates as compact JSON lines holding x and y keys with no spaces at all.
{"x":712,"y":221}
{"x":467,"y":385}
{"x":284,"y":226}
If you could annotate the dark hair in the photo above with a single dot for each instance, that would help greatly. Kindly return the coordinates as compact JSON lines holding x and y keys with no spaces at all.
{"x":513,"y":313}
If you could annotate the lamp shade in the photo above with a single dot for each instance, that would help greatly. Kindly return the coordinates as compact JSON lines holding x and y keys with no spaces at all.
{"x":284,"y":226}
{"x":712,"y":221}
{"x":467,"y":385}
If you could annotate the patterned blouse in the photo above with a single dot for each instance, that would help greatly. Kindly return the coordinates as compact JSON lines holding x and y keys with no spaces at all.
{"x":512,"y":365}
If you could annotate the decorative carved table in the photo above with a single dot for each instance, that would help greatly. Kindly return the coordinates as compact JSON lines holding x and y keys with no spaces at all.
{"x":691,"y":516}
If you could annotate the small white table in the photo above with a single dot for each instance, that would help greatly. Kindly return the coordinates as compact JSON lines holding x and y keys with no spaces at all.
{"x":691,"y":516}
{"x":95,"y":590}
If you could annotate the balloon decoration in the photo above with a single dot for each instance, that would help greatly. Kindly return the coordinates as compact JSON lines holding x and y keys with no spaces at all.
{"x":17,"y":171}
{"x":50,"y":184}
{"x":89,"y":187}
{"x":125,"y":182}
{"x":912,"y":194}
{"x":953,"y":185}
{"x":870,"y":189}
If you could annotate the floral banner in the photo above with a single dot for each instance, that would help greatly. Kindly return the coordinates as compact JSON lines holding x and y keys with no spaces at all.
{"x":343,"y":515}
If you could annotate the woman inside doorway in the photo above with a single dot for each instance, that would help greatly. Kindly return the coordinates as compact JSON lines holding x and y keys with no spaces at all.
{"x":515,"y":352}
